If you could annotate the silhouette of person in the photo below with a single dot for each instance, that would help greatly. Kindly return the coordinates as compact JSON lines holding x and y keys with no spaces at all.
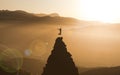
{"x":60,"y":29}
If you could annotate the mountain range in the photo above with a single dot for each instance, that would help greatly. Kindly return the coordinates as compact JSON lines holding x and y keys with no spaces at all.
{"x":22,"y":16}
{"x":103,"y":71}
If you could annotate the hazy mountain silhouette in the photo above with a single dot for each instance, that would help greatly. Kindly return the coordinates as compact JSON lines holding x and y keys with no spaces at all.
{"x":7,"y":16}
{"x":16,"y":15}
{"x":83,"y":69}
{"x":22,"y":16}
{"x":102,"y":71}
{"x":52,"y":15}
{"x":60,"y":61}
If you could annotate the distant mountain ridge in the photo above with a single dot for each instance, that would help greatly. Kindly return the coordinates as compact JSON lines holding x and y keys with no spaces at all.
{"x":6,"y":14}
{"x":51,"y":15}
{"x":22,"y":16}
{"x":103,"y":71}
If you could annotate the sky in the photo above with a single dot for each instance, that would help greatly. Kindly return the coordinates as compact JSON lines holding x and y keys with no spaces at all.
{"x":97,"y":10}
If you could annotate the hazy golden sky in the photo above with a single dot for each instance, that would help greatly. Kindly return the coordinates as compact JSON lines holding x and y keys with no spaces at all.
{"x":100,"y":10}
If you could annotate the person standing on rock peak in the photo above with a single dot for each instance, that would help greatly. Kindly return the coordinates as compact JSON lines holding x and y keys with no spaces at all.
{"x":60,"y":61}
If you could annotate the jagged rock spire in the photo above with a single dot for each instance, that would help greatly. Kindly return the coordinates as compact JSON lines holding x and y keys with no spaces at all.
{"x":60,"y":61}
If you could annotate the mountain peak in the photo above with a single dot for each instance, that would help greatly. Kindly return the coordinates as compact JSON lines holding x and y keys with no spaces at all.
{"x":59,"y":43}
{"x":54,"y":15}
{"x":60,"y":61}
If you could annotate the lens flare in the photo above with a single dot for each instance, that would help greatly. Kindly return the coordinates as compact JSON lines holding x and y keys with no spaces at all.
{"x":11,"y":60}
{"x":38,"y":48}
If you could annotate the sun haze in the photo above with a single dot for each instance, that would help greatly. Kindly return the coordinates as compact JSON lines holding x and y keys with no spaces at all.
{"x":100,"y":10}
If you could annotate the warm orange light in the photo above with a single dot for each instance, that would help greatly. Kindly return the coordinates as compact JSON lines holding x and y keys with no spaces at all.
{"x":99,"y":10}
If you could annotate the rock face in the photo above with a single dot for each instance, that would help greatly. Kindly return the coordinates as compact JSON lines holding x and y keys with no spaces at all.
{"x":60,"y":61}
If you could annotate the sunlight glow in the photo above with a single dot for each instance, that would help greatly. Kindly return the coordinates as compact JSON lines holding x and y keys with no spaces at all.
{"x":100,"y":10}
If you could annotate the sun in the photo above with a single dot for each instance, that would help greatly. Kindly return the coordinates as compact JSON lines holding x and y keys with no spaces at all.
{"x":99,"y":10}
